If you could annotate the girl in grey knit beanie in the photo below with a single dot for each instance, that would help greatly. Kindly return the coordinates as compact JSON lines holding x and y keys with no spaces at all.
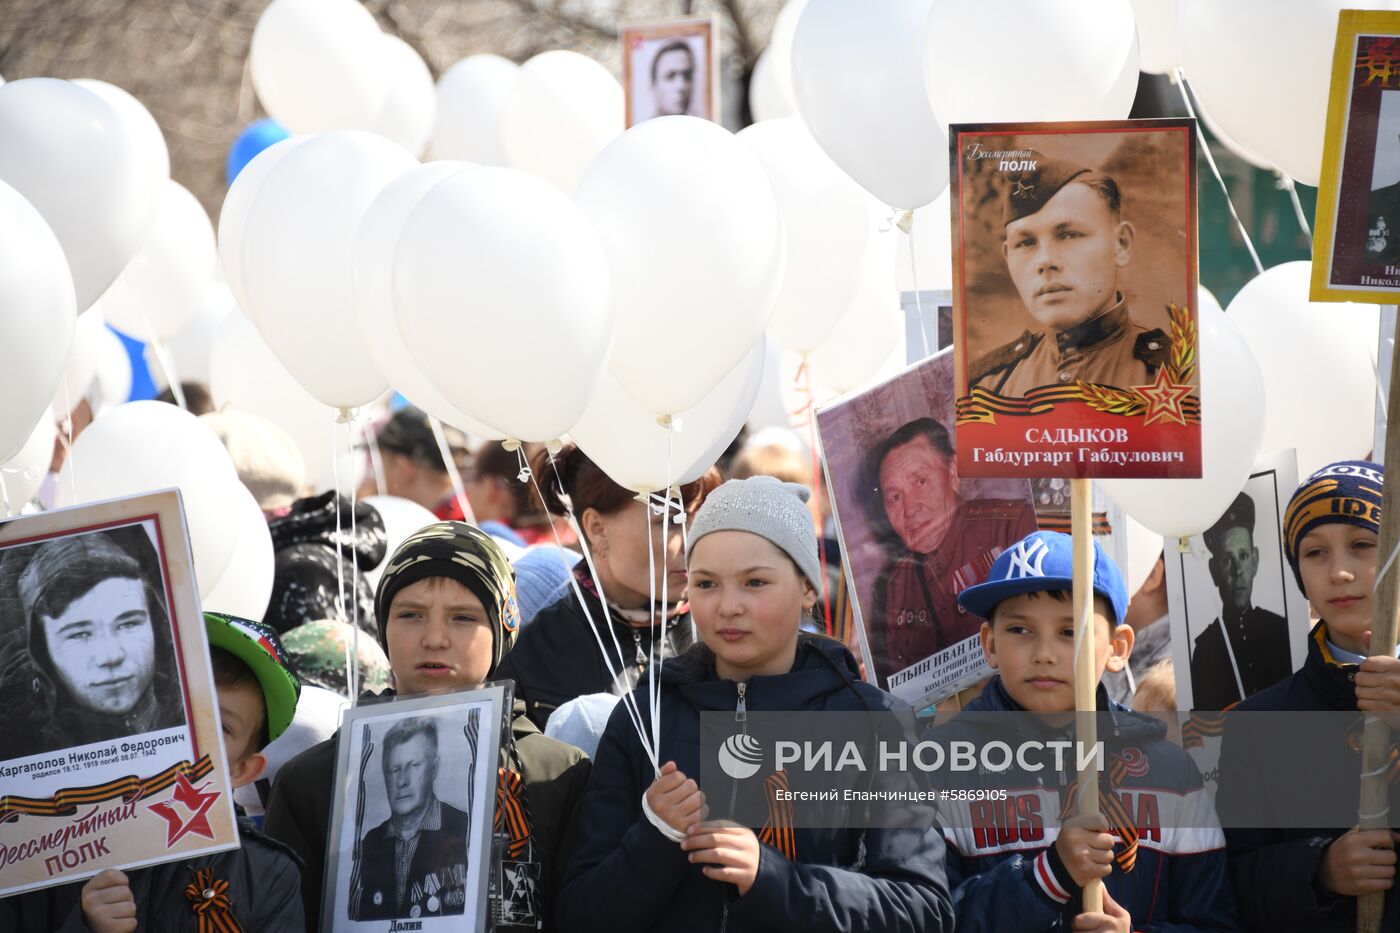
{"x":751,"y":556}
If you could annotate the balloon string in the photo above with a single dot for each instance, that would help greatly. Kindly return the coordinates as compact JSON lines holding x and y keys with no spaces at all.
{"x":339,"y":558}
{"x":659,"y":644}
{"x":354,"y":569}
{"x":68,"y":457}
{"x":629,"y":702}
{"x":1292,"y":188}
{"x":450,"y":464}
{"x":166,"y":367}
{"x":376,"y":460}
{"x":1215,"y":170}
{"x":914,"y":278}
{"x":4,"y":496}
{"x":805,"y":374}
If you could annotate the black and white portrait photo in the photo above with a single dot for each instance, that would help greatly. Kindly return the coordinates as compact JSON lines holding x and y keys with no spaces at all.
{"x":1239,"y":623}
{"x":88,"y":641}
{"x":411,"y":831}
{"x":669,"y":70}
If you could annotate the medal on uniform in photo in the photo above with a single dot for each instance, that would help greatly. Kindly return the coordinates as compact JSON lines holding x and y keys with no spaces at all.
{"x":1074,"y":299}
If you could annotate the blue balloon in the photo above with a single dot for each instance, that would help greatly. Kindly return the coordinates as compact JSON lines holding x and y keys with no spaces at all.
{"x":256,"y":137}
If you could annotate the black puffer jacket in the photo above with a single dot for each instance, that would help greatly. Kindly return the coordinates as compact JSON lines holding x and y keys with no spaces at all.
{"x":305,"y":576}
{"x":1275,"y":870}
{"x":264,"y":890}
{"x":625,"y":877}
{"x":556,"y":659}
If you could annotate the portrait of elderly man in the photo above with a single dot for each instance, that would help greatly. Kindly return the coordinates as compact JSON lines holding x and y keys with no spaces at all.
{"x":938,"y":544}
{"x":673,"y":78}
{"x":1246,"y":649}
{"x":98,"y":642}
{"x":414,"y":863}
{"x":1066,"y":244}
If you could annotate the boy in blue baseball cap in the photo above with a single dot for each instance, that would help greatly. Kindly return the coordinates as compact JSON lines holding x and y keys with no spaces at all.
{"x":1027,"y":872}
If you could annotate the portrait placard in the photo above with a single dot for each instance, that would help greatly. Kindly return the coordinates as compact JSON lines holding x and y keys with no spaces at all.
{"x":928,"y":323}
{"x":914,"y":533}
{"x":670,"y":68}
{"x":411,"y":831}
{"x":1074,"y":299}
{"x":1238,"y":620}
{"x":111,"y":756}
{"x":1356,"y":248}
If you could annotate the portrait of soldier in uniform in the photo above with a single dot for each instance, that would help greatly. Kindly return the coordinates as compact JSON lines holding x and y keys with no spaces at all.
{"x":413,"y":864}
{"x":668,"y":69}
{"x":938,"y":544}
{"x":1067,"y":240}
{"x":1246,"y":648}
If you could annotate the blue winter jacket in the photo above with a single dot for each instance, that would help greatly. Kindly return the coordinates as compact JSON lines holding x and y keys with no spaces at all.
{"x":625,"y":877}
{"x":1002,"y":864}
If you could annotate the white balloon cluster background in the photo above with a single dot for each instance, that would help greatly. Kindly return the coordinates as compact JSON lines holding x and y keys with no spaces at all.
{"x":545,"y":274}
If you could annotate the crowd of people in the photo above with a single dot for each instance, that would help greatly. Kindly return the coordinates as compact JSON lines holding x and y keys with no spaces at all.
{"x":597,"y":834}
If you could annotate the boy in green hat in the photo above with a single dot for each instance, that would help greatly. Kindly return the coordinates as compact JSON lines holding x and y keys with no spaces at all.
{"x":259,"y":883}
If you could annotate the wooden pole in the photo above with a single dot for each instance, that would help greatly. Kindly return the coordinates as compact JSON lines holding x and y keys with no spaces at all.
{"x":1375,"y":743}
{"x":1086,"y":685}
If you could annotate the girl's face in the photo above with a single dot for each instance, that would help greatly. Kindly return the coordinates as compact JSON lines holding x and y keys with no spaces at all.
{"x":1338,"y":566}
{"x":619,"y":543}
{"x":747,"y":599}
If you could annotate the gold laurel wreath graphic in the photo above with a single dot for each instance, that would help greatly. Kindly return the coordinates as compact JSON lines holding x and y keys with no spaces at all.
{"x":1180,"y":367}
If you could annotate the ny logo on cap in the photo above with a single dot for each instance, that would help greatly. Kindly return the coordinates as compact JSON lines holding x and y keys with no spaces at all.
{"x":1026,"y":558}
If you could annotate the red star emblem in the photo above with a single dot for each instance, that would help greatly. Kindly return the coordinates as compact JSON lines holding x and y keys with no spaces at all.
{"x":194,"y":803}
{"x":1164,"y":399}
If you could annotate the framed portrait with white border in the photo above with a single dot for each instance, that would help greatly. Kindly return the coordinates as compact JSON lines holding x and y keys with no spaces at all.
{"x":112,"y":755}
{"x":670,"y":68}
{"x":411,"y":829}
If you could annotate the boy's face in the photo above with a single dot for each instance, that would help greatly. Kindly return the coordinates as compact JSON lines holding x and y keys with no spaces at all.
{"x":242,"y":711}
{"x":1030,"y":642}
{"x":439,"y":637}
{"x":1065,"y":257}
{"x":1338,"y":566}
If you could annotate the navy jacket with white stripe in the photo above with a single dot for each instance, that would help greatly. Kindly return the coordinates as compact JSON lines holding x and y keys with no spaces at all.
{"x":1004,"y":871}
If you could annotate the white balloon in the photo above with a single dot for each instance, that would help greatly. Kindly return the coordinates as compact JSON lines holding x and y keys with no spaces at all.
{"x":190,"y":349}
{"x":298,"y":260}
{"x":866,"y":337}
{"x":779,"y":54}
{"x":471,"y":97}
{"x":163,"y":285}
{"x":637,"y":453}
{"x":467,"y":274}
{"x":36,"y":318}
{"x":826,"y":219}
{"x":144,"y":446}
{"x":766,"y":99}
{"x":410,"y":103}
{"x":245,"y":374}
{"x":857,"y":69}
{"x":77,"y":160}
{"x":1279,"y":113}
{"x":1072,"y":58}
{"x":233,"y":216}
{"x":244,"y":589}
{"x":1330,"y":416}
{"x":693,"y":234}
{"x":22,"y":474}
{"x":1143,"y":546}
{"x":401,"y":517}
{"x":1156,"y":29}
{"x":317,"y":65}
{"x":932,"y":265}
{"x":1232,"y":400}
{"x":112,"y":378}
{"x":155,"y":154}
{"x":1230,"y":143}
{"x":562,"y":110}
{"x":375,"y":246}
{"x":80,"y":372}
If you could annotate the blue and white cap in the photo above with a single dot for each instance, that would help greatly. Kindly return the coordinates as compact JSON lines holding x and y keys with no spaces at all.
{"x":1043,"y":560}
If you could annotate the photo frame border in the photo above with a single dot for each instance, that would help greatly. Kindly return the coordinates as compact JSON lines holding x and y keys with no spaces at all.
{"x":499,"y":696}
{"x":680,"y":27}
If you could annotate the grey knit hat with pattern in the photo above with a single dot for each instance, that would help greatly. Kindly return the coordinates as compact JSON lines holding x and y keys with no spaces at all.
{"x":767,"y":507}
